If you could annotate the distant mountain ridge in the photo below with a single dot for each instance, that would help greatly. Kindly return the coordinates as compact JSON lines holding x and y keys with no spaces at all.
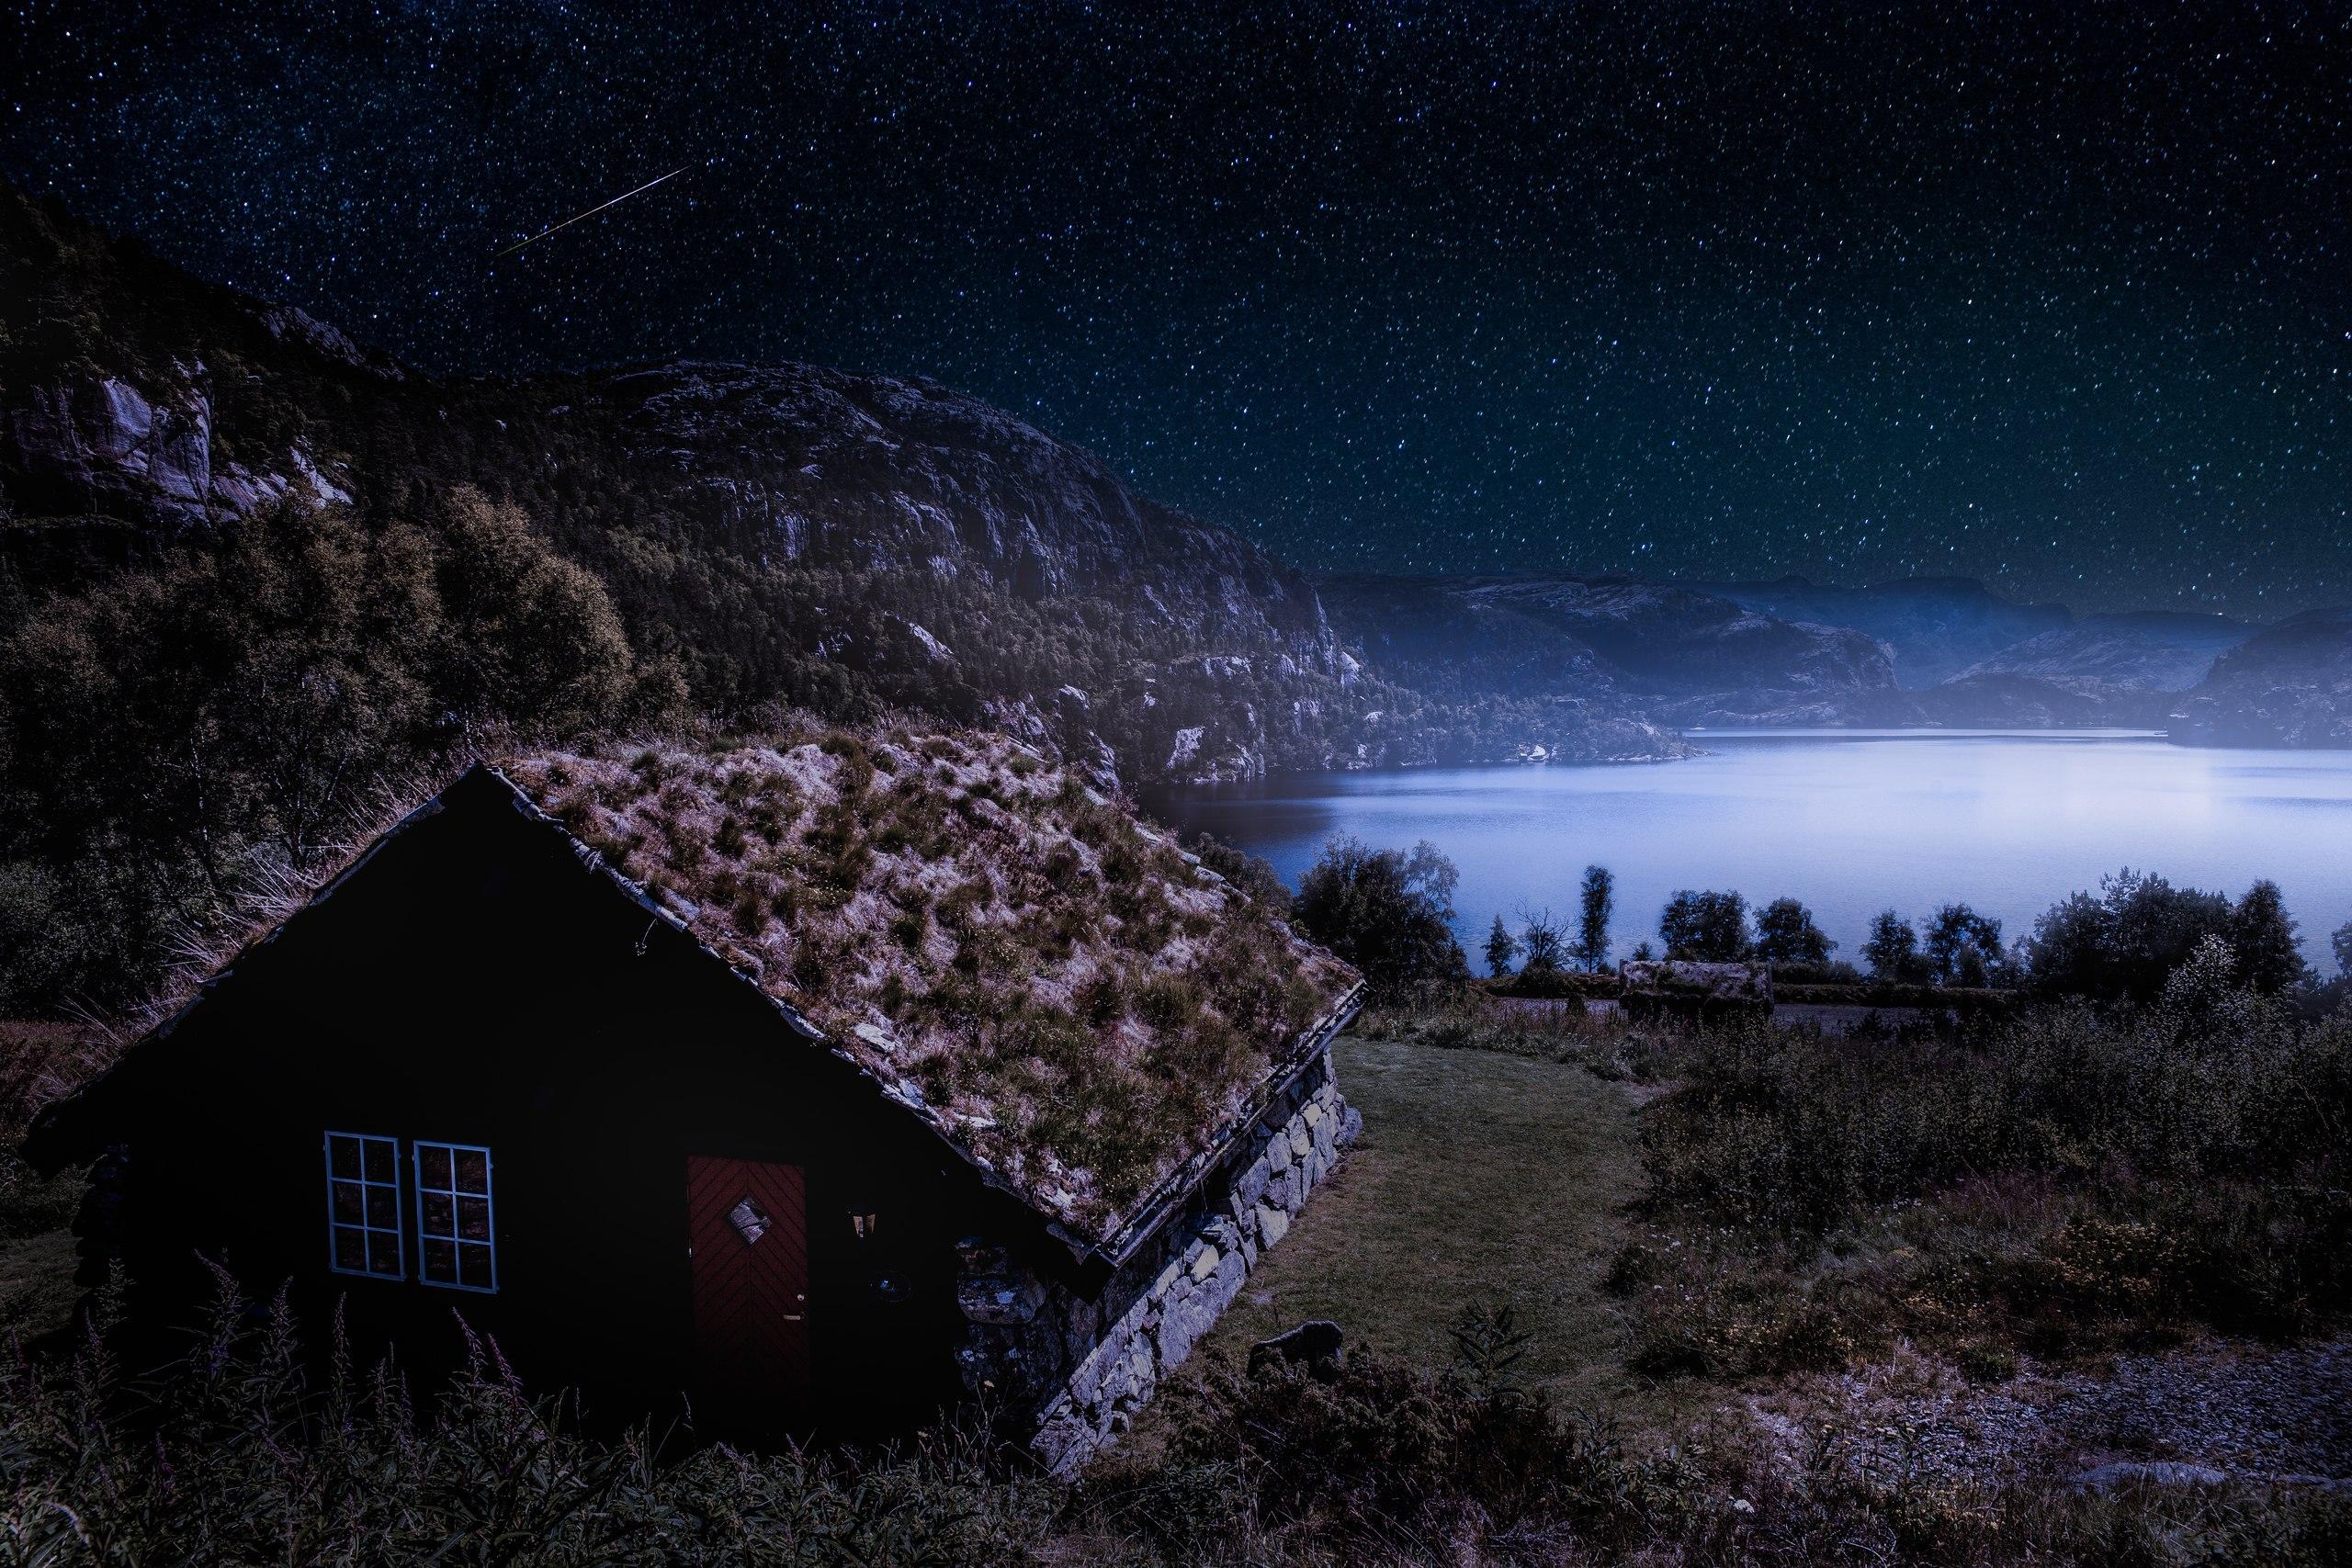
{"x":1684,"y":657}
{"x":2289,"y":684}
{"x":847,"y":542}
{"x":786,"y":534}
{"x":1934,"y":627}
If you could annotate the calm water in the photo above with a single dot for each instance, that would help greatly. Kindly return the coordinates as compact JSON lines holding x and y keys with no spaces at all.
{"x":1851,"y":822}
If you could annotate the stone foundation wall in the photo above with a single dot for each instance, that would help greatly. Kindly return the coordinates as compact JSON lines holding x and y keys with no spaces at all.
{"x":1145,"y":1324}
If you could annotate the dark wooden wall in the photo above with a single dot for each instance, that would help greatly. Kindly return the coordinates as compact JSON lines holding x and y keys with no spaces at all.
{"x":474,"y":983}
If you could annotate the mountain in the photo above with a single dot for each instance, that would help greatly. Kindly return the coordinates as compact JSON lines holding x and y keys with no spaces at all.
{"x":1683,"y":657}
{"x":1935,"y":626}
{"x":2289,"y":684}
{"x":2108,"y":669}
{"x":784,"y":535}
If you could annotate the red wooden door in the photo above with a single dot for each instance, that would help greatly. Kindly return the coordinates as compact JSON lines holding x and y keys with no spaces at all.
{"x":746,"y":1226}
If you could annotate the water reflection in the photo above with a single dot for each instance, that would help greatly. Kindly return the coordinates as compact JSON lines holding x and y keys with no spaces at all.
{"x":1850,"y":821}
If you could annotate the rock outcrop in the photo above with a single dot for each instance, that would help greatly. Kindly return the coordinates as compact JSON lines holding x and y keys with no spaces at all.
{"x":798,"y":535}
{"x":2288,"y":685}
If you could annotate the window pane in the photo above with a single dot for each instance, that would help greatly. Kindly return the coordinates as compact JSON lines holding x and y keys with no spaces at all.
{"x":348,"y":1208}
{"x":474,"y":1261}
{"x":383,"y":1208}
{"x":350,"y":1250}
{"x":379,"y":1160}
{"x":342,"y":1158}
{"x":384,"y":1254}
{"x":453,"y":1200}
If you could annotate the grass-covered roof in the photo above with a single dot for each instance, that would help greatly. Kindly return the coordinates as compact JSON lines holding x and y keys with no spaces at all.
{"x":1074,"y":1000}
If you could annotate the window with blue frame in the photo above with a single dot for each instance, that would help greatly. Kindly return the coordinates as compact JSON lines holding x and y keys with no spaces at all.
{"x":455,"y":1242}
{"x":364,"y":1205}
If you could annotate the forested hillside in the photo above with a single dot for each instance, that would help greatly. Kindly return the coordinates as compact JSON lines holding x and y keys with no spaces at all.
{"x":253,"y":575}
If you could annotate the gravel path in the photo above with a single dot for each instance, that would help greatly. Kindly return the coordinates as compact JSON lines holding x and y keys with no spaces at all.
{"x":2257,"y":1412}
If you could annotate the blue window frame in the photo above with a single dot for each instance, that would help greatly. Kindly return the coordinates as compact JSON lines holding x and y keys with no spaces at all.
{"x":456,"y":1236}
{"x":364,"y":1205}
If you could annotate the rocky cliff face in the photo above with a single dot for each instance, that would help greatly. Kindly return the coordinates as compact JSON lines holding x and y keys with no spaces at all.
{"x":798,"y":535}
{"x":880,"y":473}
{"x":2288,"y":685}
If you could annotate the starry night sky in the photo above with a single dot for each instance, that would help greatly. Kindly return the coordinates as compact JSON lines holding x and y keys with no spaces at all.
{"x":2057,"y":296}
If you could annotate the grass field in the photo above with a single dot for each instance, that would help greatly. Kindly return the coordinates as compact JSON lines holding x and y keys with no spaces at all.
{"x":1481,"y":1180}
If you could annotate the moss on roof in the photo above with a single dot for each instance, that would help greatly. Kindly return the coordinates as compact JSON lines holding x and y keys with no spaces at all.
{"x":1056,"y":985}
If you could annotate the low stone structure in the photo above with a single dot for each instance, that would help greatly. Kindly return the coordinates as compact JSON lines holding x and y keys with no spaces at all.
{"x":1690,"y":990}
{"x":1089,"y":1364}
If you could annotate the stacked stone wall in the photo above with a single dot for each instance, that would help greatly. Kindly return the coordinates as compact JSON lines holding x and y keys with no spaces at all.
{"x":1103,"y":1359}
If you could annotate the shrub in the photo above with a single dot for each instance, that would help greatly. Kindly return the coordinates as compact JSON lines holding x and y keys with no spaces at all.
{"x":1785,"y":934}
{"x":1386,"y":912}
{"x":236,"y":1458}
{"x":1711,"y":927}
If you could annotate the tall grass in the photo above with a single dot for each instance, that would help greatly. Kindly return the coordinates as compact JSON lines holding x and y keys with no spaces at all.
{"x":233,"y":1457}
{"x":2072,"y":1178}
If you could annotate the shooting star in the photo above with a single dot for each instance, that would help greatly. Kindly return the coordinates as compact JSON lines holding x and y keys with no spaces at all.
{"x":589,"y":213}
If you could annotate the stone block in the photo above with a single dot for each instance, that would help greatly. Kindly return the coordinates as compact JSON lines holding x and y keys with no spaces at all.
{"x":1252,"y":1185}
{"x":1232,"y":1271}
{"x":1273,"y":1225}
{"x":1205,"y":1263}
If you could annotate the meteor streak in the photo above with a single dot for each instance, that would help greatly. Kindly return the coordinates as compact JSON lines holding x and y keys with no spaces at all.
{"x":589,"y":213}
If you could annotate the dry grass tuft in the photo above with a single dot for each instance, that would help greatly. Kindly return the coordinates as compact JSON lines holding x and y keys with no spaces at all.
{"x":1057,"y":987}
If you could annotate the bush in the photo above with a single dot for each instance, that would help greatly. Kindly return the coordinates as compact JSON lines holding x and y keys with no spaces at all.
{"x":235,"y":1458}
{"x":1456,"y":1465}
{"x":1786,"y":934}
{"x":2128,"y":939}
{"x":1387,"y":912}
{"x":1711,"y":927}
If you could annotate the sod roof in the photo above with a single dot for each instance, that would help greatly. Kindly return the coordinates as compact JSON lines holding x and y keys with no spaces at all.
{"x":1079,"y":1005}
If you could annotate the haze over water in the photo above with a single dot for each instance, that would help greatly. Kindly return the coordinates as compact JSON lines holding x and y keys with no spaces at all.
{"x":1851,"y":822}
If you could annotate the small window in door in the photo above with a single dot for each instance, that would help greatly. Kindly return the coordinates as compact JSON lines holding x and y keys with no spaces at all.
{"x":456,"y":1241}
{"x":364,"y":1205}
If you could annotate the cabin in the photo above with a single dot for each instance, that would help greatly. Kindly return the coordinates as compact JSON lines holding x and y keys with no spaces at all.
{"x":1689,"y":991}
{"x":798,"y":1091}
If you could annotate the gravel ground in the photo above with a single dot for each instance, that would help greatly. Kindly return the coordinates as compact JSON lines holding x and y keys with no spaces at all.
{"x":2257,"y":1412}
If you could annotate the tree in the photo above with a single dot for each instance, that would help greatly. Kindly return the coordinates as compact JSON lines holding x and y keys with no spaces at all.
{"x":229,"y":708}
{"x":1501,"y":948}
{"x":1893,"y":951}
{"x":1600,"y":902}
{"x":1785,"y":934}
{"x":1386,"y":911}
{"x":1962,"y":947}
{"x":2343,"y":943}
{"x":1708,"y":926}
{"x":1540,"y":935}
{"x":2126,"y":939}
{"x":1643,"y":951}
{"x":2265,"y":939}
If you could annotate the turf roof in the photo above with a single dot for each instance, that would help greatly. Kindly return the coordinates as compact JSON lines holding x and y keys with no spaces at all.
{"x":1057,"y":988}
